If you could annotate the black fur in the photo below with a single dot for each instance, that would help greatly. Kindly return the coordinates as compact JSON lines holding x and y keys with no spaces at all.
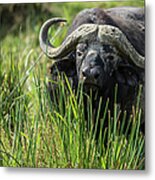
{"x":130,"y":21}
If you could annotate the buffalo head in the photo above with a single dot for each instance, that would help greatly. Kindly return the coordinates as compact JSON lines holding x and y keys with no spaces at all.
{"x":99,"y":50}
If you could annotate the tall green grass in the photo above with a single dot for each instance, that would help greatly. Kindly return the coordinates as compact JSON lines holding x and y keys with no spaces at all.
{"x":55,"y":134}
{"x":36,"y":132}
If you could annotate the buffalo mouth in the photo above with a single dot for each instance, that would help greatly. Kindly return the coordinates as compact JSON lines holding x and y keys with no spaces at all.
{"x":91,"y":86}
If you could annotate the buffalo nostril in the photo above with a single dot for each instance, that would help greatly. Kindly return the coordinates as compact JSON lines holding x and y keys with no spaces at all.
{"x":96,"y":75}
{"x":85,"y":72}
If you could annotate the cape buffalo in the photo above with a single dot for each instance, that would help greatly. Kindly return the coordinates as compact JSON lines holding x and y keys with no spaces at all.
{"x":102,"y":48}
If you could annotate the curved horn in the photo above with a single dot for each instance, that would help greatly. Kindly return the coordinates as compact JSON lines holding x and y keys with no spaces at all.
{"x":106,"y":34}
{"x":111,"y":34}
{"x":81,"y":33}
{"x":43,"y":36}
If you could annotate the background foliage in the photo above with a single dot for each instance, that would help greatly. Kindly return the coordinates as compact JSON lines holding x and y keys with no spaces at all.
{"x":36,"y":133}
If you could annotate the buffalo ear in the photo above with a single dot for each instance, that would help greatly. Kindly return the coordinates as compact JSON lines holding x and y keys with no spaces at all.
{"x":127,"y":75}
{"x":65,"y":65}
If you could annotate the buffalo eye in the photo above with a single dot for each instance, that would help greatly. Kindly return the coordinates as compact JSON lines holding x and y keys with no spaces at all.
{"x":110,"y":57}
{"x":79,"y":53}
{"x":81,"y":49}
